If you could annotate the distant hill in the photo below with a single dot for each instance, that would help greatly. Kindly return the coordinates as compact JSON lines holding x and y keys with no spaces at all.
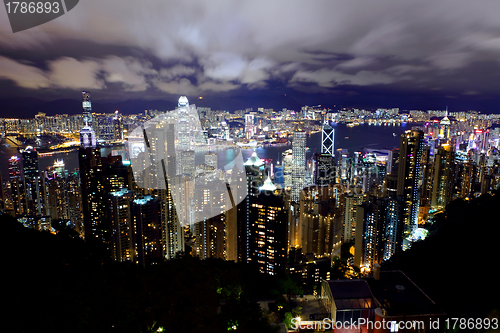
{"x":29,"y":107}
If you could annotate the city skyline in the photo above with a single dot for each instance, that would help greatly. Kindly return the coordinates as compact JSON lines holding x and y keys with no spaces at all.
{"x":250,"y":165}
{"x":250,"y":54}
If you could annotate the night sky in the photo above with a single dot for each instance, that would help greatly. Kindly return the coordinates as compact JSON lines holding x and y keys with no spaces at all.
{"x":237,"y":54}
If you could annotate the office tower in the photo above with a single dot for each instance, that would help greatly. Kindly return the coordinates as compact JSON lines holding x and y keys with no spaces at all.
{"x":16,"y":186}
{"x":183,"y":124}
{"x":88,"y":137}
{"x":410,"y":153}
{"x":33,"y":188}
{"x":298,"y":164}
{"x":268,"y":231}
{"x":87,"y":109}
{"x":366,"y":172}
{"x":351,"y":204}
{"x":287,"y":162}
{"x":279,"y":179}
{"x":327,"y":139}
{"x":117,"y":127}
{"x":255,"y":170}
{"x":378,"y":231}
{"x":249,"y":125}
{"x":344,"y":166}
{"x":443,"y":177}
{"x":323,"y":169}
{"x":393,"y":162}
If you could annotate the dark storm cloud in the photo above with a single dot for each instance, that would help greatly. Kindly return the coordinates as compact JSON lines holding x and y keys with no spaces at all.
{"x":207,"y":47}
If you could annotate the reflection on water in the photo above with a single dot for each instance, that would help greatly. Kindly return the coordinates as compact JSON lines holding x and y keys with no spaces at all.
{"x":352,"y":139}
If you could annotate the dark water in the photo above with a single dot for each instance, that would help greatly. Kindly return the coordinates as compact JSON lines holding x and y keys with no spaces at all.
{"x":353,"y":139}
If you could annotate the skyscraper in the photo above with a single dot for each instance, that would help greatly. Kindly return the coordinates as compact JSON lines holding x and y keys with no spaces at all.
{"x":298,"y":164}
{"x":442,"y":186}
{"x":255,"y":169}
{"x":410,"y":153}
{"x":327,"y":139}
{"x":87,"y":108}
{"x":16,"y":188}
{"x":33,"y":188}
{"x":268,"y":234}
{"x":323,"y":169}
{"x":378,"y":231}
{"x":183,"y":124}
{"x":146,"y":215}
{"x":352,"y":202}
{"x":317,"y":220}
{"x":88,"y":138}
{"x":249,"y":125}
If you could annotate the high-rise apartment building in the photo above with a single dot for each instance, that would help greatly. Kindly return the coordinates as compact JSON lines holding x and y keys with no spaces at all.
{"x":442,"y":187}
{"x":409,"y":173}
{"x":268,"y":236}
{"x":351,"y":204}
{"x":378,"y":231}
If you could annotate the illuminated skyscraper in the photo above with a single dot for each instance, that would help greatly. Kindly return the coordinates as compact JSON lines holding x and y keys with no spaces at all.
{"x":268,"y":235}
{"x":327,"y":139}
{"x":410,"y":153}
{"x":117,"y":127}
{"x":323,"y":169}
{"x":33,"y":188}
{"x":317,"y":220}
{"x":255,"y":169}
{"x":122,"y":227}
{"x":93,"y":195}
{"x":352,"y":202}
{"x":442,"y":186}
{"x":146,"y":213}
{"x":183,"y":124}
{"x":298,"y":164}
{"x":99,"y":177}
{"x":88,"y":137}
{"x":16,"y":187}
{"x":87,"y":108}
{"x":287,"y":168}
{"x":378,"y":231}
{"x":249,"y":125}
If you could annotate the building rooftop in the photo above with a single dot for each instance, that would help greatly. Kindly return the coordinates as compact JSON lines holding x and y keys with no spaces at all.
{"x":351,"y":294}
{"x":399,"y":295}
{"x":254,"y":160}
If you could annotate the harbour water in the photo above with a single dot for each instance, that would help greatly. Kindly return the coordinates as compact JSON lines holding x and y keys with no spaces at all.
{"x":351,"y":138}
